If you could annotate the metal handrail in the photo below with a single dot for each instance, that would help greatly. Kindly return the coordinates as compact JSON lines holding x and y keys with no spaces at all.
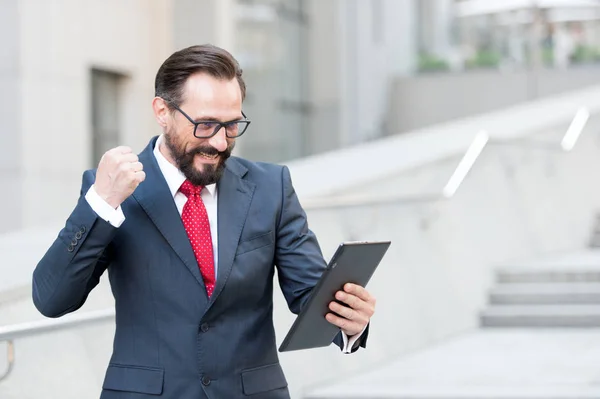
{"x":468,"y":161}
{"x":48,"y":325}
{"x":10,"y":333}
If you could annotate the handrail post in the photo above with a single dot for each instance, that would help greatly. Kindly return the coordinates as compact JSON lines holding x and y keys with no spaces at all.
{"x":575,"y":129}
{"x":10,"y":356}
{"x":466,"y":164}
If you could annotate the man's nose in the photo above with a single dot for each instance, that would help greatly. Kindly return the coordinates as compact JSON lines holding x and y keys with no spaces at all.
{"x":219,"y":140}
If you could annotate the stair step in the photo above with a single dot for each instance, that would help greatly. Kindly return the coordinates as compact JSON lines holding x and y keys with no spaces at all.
{"x":549,"y":275}
{"x":541,"y":316}
{"x":545,"y":293}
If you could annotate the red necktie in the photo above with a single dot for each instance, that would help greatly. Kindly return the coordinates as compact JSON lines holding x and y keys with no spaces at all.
{"x":195,"y":221}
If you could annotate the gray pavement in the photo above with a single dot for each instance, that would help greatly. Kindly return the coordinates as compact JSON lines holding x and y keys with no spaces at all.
{"x":490,"y":364}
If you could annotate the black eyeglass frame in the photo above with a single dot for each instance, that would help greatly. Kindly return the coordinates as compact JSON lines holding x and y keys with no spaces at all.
{"x":220,"y":125}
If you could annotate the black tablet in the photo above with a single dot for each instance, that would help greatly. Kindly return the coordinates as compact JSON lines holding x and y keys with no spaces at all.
{"x":353,"y":262}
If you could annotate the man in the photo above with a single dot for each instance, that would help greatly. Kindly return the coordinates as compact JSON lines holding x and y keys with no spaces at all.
{"x":190,"y":237}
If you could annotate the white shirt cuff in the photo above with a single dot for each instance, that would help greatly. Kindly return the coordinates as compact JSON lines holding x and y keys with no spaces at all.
{"x":104,"y":211}
{"x":349,"y":343}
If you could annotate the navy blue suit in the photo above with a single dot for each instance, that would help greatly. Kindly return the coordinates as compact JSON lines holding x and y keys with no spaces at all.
{"x":171,"y":340}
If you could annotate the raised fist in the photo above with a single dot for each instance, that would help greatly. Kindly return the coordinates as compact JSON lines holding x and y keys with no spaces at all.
{"x":119,"y":173}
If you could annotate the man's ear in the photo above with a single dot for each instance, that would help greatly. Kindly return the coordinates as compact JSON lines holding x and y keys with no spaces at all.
{"x":161,"y":111}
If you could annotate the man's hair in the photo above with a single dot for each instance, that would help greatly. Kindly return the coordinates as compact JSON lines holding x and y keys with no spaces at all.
{"x":176,"y":69}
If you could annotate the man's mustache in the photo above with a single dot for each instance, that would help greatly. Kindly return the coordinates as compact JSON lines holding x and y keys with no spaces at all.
{"x":210,"y":151}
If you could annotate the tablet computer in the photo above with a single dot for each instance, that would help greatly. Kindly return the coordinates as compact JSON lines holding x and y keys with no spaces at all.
{"x":353,"y":262}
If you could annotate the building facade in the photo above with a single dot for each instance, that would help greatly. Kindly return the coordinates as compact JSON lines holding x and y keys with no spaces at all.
{"x":77,"y":79}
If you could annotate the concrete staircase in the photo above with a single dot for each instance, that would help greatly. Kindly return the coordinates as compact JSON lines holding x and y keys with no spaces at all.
{"x":557,"y":294}
{"x":543,"y":355}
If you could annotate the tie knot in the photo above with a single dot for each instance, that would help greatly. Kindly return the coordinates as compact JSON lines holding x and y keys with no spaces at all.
{"x":188,"y":189}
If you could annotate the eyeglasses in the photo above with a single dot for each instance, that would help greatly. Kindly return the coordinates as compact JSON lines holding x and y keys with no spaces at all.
{"x":208,"y":128}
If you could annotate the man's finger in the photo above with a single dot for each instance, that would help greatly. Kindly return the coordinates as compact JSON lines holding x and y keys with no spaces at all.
{"x":358,"y":291}
{"x":123,"y":149}
{"x":137,"y":166}
{"x":344,"y":311}
{"x":129,"y":157}
{"x":351,"y":300}
{"x":140,"y":176}
{"x":349,"y":327}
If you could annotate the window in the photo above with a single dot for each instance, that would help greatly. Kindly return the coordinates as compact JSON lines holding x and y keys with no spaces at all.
{"x":272,"y":50}
{"x":106,"y":112}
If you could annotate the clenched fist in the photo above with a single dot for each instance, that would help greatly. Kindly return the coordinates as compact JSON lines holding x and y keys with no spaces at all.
{"x":119,"y":173}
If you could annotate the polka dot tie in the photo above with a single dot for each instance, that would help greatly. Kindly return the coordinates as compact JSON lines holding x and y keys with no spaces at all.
{"x":197,"y":226}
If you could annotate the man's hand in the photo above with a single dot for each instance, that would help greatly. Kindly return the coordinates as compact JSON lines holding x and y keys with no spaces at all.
{"x":119,"y":173}
{"x":354,"y":317}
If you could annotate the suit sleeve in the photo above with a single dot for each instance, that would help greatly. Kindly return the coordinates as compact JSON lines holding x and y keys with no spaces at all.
{"x":74,"y":263}
{"x":298,"y":257}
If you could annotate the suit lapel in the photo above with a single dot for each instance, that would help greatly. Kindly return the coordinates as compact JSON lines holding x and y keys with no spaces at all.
{"x":154,"y":197}
{"x":233,"y":201}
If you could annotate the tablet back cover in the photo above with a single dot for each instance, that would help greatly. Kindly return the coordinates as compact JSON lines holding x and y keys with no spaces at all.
{"x":353,"y":262}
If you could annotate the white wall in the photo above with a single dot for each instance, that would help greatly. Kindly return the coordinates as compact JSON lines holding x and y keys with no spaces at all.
{"x":11,"y":170}
{"x":429,"y":99}
{"x":59,"y":42}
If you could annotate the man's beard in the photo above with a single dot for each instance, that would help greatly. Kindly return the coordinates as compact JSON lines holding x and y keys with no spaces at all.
{"x":209,"y":174}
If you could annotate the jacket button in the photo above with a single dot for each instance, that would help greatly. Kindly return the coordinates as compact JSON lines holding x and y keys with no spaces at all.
{"x":70,"y":249}
{"x":78,"y":235}
{"x":74,"y":242}
{"x":82,"y":230}
{"x":205,"y":381}
{"x":204,"y":327}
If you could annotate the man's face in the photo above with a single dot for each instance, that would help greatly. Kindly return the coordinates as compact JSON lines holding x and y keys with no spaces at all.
{"x":205,"y":98}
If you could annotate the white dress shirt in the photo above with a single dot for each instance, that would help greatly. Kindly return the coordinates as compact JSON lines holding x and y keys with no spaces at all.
{"x":175,"y":178}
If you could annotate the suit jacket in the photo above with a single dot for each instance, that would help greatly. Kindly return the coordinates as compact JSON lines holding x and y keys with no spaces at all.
{"x":171,"y":340}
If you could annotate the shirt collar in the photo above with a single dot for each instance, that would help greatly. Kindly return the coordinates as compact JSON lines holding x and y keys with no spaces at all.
{"x":174,"y":176}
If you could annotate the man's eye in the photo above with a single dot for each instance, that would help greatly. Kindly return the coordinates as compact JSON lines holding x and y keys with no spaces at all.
{"x":207,"y":125}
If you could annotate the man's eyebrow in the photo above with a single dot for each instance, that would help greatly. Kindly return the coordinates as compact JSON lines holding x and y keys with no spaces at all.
{"x":208,"y":118}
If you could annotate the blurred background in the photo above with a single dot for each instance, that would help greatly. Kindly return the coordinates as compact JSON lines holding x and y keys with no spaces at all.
{"x":466,"y":132}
